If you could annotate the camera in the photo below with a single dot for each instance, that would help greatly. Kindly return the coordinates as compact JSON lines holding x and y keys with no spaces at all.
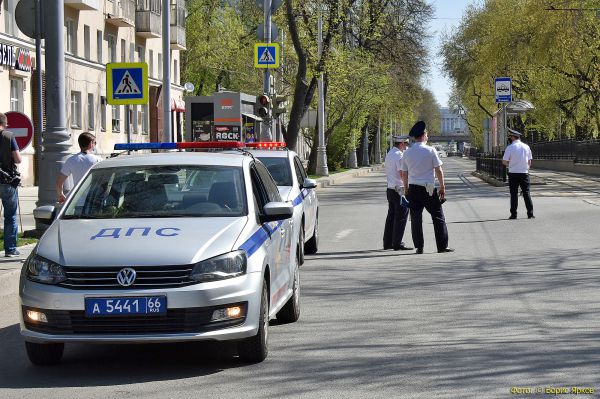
{"x":14,"y":179}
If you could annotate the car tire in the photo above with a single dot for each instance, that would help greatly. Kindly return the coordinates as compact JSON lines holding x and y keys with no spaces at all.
{"x":290,"y":312}
{"x":312,"y":246}
{"x":301,"y":246}
{"x":44,"y":354}
{"x":255,"y":349}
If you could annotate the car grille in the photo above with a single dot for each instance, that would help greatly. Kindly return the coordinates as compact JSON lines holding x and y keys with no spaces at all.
{"x":105,"y":278}
{"x":176,"y":321}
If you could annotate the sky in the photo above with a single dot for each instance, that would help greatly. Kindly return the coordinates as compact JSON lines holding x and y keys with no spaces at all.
{"x":448,"y":14}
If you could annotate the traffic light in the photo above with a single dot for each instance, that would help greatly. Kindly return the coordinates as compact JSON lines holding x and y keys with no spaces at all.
{"x":279,"y":106}
{"x":263,"y":106}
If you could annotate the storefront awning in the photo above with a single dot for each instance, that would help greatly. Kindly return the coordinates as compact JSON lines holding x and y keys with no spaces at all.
{"x":252,"y":116}
{"x":177,"y":105}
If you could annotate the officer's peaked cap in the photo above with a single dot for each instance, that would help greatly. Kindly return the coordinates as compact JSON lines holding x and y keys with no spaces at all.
{"x":513,"y":133}
{"x":418,"y":129}
{"x":400,"y":139}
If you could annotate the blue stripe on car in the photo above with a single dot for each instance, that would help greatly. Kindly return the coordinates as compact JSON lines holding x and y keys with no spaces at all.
{"x":256,"y":240}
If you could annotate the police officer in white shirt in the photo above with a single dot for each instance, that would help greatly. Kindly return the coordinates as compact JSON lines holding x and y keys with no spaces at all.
{"x":77,"y":165}
{"x":420,"y":166}
{"x":517,"y":157}
{"x":397,"y":215}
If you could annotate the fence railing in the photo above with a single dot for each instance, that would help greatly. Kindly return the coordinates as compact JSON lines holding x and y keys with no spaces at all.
{"x":492,"y":166}
{"x":584,"y":151}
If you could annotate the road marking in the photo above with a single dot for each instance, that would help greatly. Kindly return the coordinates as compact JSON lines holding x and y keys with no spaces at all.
{"x":343,"y":234}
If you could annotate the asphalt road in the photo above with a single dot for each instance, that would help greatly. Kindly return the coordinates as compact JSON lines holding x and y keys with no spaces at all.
{"x":516,"y":306}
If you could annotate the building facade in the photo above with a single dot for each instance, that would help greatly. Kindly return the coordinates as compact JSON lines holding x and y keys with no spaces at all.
{"x":97,"y":32}
{"x":452,"y":124}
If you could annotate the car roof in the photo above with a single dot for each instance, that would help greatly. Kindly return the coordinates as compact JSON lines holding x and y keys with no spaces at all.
{"x":272,"y":153}
{"x":176,"y":158}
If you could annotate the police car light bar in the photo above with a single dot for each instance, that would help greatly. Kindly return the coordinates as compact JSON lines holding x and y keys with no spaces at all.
{"x":263,"y":145}
{"x":178,"y":146}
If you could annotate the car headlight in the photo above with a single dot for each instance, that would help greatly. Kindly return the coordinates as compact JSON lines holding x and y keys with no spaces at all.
{"x":41,"y":270}
{"x":220,"y":267}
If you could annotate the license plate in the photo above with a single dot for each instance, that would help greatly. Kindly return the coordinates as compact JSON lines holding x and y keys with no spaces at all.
{"x":145,"y":305}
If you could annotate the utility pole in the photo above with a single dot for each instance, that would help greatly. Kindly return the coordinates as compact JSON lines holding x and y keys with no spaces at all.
{"x":322,"y":169}
{"x":166,"y":89}
{"x":39,"y":111}
{"x":56,"y":138}
{"x":266,"y":134}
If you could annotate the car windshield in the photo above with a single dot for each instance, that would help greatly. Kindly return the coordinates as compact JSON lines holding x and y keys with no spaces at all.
{"x":279,"y":168}
{"x":160,"y":192}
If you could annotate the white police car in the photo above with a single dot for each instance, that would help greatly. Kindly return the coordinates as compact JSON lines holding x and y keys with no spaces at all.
{"x":294,"y":186}
{"x":161,"y":248}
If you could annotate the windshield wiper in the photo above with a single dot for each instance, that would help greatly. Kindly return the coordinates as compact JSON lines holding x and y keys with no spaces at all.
{"x":71,"y":217}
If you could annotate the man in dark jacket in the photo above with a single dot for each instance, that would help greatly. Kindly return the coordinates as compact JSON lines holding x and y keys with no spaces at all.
{"x":9,"y":157}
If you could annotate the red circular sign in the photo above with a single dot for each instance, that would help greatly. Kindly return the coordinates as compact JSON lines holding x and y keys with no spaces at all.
{"x":21,"y":127}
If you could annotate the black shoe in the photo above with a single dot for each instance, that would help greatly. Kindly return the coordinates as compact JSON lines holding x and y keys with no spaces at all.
{"x":530,"y":216}
{"x":445,"y":250}
{"x":385,"y":248}
{"x":419,"y":251}
{"x":512,"y":217}
{"x":402,"y":247}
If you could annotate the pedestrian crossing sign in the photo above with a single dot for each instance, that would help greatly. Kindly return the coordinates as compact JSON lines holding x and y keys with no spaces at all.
{"x":127,"y":83}
{"x":266,"y":55}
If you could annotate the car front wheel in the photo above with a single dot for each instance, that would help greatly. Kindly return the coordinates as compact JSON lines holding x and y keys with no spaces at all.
{"x":255,"y":349}
{"x":44,"y":354}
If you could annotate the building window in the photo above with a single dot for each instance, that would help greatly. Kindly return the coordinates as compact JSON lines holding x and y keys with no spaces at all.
{"x":141,"y":54}
{"x":131,"y":52}
{"x":160,"y":66}
{"x":123,"y":50}
{"x":9,"y":19}
{"x":116,"y":118}
{"x":86,"y":42}
{"x":175,"y":74}
{"x":76,"y":109}
{"x":71,"y":37}
{"x":90,"y":112}
{"x":112,"y":48}
{"x":99,"y":43}
{"x":103,"y":113}
{"x":151,"y":64}
{"x":16,"y":95}
{"x":144,"y":119}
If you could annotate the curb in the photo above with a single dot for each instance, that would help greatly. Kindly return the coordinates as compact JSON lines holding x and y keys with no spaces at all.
{"x":337,"y":178}
{"x":534,"y":180}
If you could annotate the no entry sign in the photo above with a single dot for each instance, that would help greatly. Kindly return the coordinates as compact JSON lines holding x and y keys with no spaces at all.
{"x":21,"y":126}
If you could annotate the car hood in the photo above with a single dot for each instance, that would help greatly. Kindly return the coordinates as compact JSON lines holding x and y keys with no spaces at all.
{"x":139,"y":242}
{"x":285,"y":192}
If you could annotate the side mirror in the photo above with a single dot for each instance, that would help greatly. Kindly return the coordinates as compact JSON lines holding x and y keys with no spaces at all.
{"x":276,"y":211}
{"x":45,"y":213}
{"x":309,"y":183}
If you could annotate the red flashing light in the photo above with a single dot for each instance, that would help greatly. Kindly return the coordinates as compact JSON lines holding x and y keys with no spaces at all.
{"x":264,"y":100}
{"x":210,"y":144}
{"x":266,"y":145}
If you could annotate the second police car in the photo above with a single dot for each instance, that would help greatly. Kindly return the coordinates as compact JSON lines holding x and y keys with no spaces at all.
{"x":162,"y":248}
{"x":294,"y":186}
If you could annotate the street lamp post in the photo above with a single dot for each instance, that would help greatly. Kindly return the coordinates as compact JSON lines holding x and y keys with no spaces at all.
{"x":322,"y":169}
{"x":56,"y":138}
{"x":166,"y":89}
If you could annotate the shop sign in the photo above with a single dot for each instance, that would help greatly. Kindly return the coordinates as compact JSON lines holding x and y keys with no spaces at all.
{"x":7,"y":55}
{"x":23,"y":61}
{"x":227,"y":133}
{"x":15,"y":58}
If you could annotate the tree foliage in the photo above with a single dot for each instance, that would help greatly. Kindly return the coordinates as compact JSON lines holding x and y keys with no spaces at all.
{"x":550,"y":49}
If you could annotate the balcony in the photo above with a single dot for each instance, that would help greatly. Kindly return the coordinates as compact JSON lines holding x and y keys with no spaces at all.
{"x":120,"y":13}
{"x":177,"y":38}
{"x":148,"y":24}
{"x":83,"y":5}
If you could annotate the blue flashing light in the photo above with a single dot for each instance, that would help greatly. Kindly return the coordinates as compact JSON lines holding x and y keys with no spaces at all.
{"x":145,"y":146}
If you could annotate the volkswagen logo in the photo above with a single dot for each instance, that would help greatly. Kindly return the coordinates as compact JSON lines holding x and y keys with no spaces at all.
{"x":126,"y":276}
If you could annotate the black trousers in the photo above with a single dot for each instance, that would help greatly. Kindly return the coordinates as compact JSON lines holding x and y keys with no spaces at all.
{"x":395,"y":223}
{"x":516,"y":180}
{"x":419,"y":199}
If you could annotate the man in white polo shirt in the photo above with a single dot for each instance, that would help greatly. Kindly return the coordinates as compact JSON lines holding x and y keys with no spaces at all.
{"x":78,"y":164}
{"x":397,"y":215}
{"x":420,"y":166}
{"x":517,"y":157}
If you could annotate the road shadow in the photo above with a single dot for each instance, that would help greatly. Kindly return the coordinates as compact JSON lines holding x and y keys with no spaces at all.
{"x":108,"y":365}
